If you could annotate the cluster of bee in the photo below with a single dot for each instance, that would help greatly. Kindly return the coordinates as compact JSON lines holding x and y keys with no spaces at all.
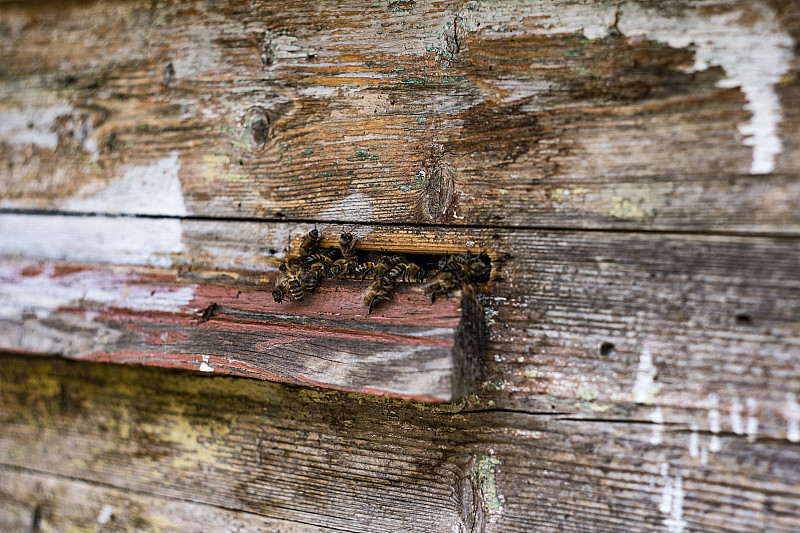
{"x":302,"y":273}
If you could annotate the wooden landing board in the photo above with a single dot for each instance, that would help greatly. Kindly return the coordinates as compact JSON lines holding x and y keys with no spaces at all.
{"x":407,"y":348}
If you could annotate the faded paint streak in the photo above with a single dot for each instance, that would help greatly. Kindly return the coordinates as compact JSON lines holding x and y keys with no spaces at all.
{"x":153,"y":189}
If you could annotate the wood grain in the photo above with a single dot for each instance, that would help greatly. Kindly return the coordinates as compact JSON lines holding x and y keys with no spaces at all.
{"x":36,"y":502}
{"x":628,"y":324}
{"x":414,"y":349}
{"x":513,"y":114}
{"x":358,"y":463}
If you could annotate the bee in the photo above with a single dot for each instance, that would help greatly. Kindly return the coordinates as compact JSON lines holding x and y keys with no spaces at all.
{"x":452,"y":263}
{"x":309,"y":243}
{"x":442,"y":284}
{"x":376,"y":269}
{"x":312,"y":276}
{"x":324,"y":259}
{"x":478,"y":268}
{"x":413,"y":272}
{"x":375,"y":292}
{"x":294,"y":284}
{"x":392,"y":260}
{"x":280,"y":291}
{"x":396,"y":272}
{"x":364,"y":269}
{"x":347,"y":246}
{"x":343,"y":267}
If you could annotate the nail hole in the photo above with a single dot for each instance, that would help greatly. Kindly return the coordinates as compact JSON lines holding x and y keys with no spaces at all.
{"x":743,"y":319}
{"x":606,"y":349}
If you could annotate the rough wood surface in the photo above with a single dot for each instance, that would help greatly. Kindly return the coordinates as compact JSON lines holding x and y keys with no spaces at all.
{"x":363,"y":464}
{"x":554,"y":114}
{"x":632,"y":168}
{"x":408,"y":347}
{"x":680,"y":324}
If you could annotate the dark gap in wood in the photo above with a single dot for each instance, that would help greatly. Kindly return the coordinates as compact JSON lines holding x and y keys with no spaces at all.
{"x":284,"y":220}
{"x":506,"y":411}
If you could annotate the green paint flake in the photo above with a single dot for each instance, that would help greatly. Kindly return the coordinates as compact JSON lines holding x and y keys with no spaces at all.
{"x":363,"y":155}
{"x":415,"y":80}
{"x":419,"y":182}
{"x":294,"y":179}
{"x":420,"y":120}
{"x":486,"y":471}
{"x":434,"y":79}
{"x":503,"y":191}
{"x":307,"y":151}
{"x":399,"y":68}
{"x":574,"y":52}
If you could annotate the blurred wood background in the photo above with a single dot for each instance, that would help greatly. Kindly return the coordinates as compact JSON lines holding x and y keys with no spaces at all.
{"x":631,"y":166}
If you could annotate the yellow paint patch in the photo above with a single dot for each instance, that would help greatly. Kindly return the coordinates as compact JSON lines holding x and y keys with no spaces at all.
{"x":628,"y":208}
{"x":193,"y":444}
{"x":559,"y":193}
{"x":218,"y":167}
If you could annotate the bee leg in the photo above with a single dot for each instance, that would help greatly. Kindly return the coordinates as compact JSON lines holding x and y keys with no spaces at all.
{"x":372,"y":304}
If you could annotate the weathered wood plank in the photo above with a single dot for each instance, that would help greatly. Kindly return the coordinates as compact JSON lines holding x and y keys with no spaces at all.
{"x":511,"y":114}
{"x":35,"y":502}
{"x":415,"y":349}
{"x":358,"y":463}
{"x":701,"y":330}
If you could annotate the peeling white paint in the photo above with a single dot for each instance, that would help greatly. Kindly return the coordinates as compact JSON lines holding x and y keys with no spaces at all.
{"x":45,"y":292}
{"x":752,"y":421}
{"x":32,"y":125}
{"x":750,"y":45}
{"x":694,"y":442}
{"x":755,"y":55}
{"x":105,"y":514}
{"x":714,"y":423}
{"x":657,"y":418}
{"x":737,"y":424}
{"x":645,"y":389}
{"x":153,"y":189}
{"x":130,"y":241}
{"x":356,"y":206}
{"x":204,"y":366}
{"x":672,"y":501}
{"x":792,"y":413}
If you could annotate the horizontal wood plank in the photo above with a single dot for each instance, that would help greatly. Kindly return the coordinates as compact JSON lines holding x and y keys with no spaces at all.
{"x":357,"y":463}
{"x":416,"y":349}
{"x":515,"y":114}
{"x":660,"y":326}
{"x":34,"y":501}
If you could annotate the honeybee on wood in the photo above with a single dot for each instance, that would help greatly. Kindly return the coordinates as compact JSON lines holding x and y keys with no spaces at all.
{"x":343,"y":267}
{"x":309,"y":243}
{"x":442,"y":284}
{"x":294,"y":284}
{"x":347,"y":246}
{"x":312,"y":276}
{"x":406,"y":272}
{"x":375,"y":292}
{"x":280,"y":291}
{"x":365,"y":269}
{"x":478,"y":268}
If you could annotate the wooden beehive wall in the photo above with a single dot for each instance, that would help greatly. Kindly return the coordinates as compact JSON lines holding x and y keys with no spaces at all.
{"x":633,"y":164}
